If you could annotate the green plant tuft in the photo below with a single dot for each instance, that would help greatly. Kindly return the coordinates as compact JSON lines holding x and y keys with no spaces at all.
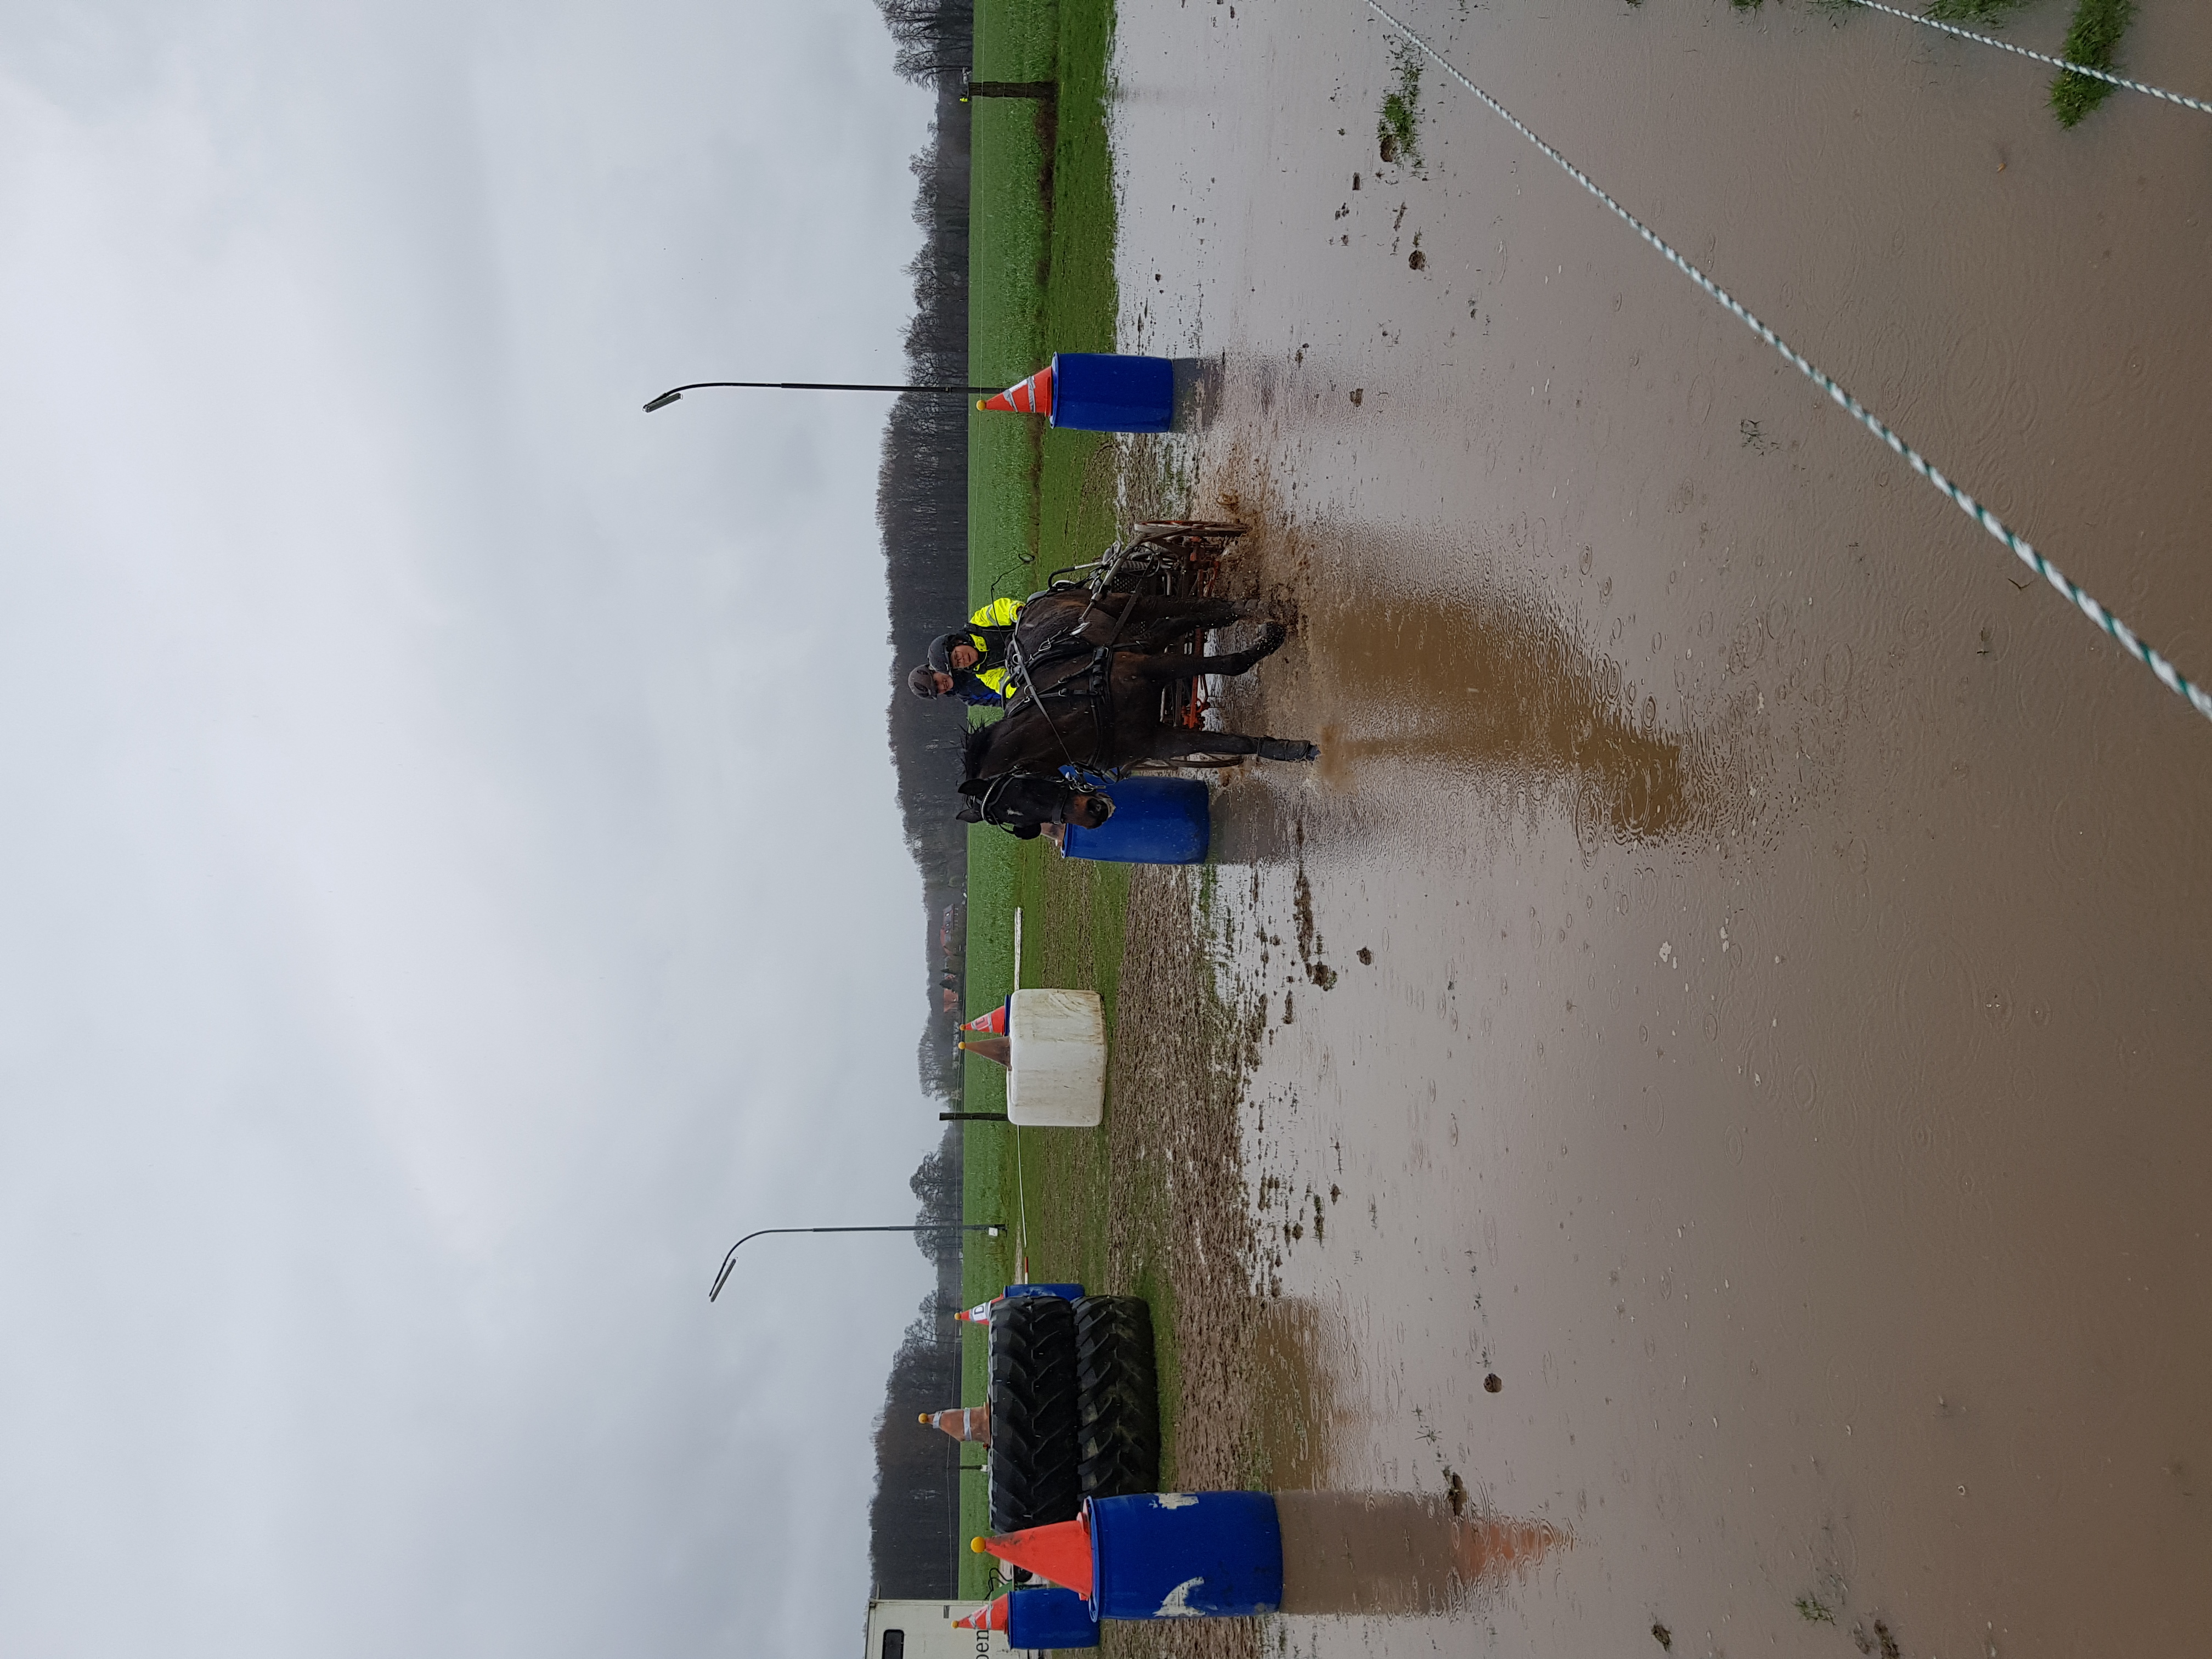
{"x":1991,"y":13}
{"x":2093,"y":39}
{"x":1398,"y":129}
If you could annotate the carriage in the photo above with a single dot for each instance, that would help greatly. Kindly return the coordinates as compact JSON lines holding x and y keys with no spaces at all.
{"x":1177,"y":558}
{"x":1116,"y":647}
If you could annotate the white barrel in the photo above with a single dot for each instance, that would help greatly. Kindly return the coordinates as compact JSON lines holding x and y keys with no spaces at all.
{"x":1056,"y":1059}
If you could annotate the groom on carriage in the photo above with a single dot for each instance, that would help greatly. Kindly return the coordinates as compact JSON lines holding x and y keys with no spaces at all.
{"x":971,"y":663}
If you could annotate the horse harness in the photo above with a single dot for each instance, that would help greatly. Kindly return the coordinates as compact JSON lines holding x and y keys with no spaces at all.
{"x":1091,"y":688}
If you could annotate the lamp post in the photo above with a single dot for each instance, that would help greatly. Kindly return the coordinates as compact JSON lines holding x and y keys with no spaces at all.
{"x":676,"y":393}
{"x":993,"y":1228}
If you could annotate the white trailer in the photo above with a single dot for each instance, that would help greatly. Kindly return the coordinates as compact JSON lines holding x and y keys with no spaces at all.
{"x":924,"y":1630}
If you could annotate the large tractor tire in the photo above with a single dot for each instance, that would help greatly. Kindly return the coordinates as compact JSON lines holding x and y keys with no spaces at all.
{"x":1120,"y":1413}
{"x":1034,"y":1406}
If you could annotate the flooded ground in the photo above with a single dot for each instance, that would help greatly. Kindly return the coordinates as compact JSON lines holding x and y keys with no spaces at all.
{"x":1725,"y":1035}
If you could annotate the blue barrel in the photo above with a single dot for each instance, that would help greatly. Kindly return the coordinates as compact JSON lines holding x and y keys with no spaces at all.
{"x":1064,"y":1292}
{"x":1094,"y":392}
{"x":1049,"y":1617}
{"x":1156,"y":821}
{"x":1185,"y":1555}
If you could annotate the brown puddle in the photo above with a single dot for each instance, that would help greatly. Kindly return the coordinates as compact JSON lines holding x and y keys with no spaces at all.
{"x":1394,"y":1554}
{"x":1738,"y":974}
{"x":1511,"y":696}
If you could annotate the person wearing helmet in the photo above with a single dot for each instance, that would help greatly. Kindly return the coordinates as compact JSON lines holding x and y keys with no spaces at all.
{"x":971,"y":663}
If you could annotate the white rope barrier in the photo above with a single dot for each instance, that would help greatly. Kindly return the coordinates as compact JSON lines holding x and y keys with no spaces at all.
{"x":2055,"y":63}
{"x":2168,"y":675}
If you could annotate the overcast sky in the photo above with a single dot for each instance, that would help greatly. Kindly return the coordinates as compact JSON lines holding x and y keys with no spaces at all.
{"x":450,"y":879}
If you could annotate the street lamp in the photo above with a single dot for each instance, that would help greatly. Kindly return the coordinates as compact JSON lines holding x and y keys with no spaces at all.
{"x":675,"y":393}
{"x":992,"y":1228}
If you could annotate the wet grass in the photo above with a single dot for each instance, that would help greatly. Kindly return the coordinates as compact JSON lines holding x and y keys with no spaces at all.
{"x":2094,"y":39}
{"x":1986,"y":14}
{"x":1041,"y":275}
{"x":1041,"y":280}
{"x":1398,"y":125}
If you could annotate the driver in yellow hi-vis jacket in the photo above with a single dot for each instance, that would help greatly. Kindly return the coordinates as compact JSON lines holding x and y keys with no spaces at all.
{"x":971,"y":663}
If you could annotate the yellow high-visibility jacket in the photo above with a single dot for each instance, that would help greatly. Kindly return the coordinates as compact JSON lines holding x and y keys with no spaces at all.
{"x":999,"y":613}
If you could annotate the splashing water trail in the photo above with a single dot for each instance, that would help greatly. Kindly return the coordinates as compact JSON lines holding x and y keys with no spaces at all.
{"x":1398,"y":1555}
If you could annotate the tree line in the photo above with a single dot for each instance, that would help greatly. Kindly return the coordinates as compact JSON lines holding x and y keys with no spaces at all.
{"x":914,"y":1518}
{"x":921,"y":492}
{"x":921,"y":508}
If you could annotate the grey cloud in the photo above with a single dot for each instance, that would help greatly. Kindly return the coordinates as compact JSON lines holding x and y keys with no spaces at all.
{"x":451,"y":884}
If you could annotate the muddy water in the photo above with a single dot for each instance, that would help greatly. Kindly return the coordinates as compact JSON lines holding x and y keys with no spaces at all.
{"x":1397,"y":1554}
{"x":1738,"y":978}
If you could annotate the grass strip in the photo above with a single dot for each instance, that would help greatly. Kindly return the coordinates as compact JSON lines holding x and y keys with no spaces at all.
{"x":1041,"y":280}
{"x":2092,"y":39}
{"x":1989,"y":14}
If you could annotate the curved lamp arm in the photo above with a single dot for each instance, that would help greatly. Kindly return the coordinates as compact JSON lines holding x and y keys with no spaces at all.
{"x":993,"y":1228}
{"x":675,"y":393}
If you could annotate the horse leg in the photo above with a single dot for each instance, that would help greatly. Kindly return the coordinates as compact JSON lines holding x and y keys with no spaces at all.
{"x":1160,"y":670}
{"x":1169,"y":743}
{"x":1149,"y":621}
{"x":1195,"y":613}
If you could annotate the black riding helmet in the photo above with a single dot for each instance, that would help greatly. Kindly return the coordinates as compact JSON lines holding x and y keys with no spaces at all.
{"x":940,"y":650}
{"x":922,"y":681}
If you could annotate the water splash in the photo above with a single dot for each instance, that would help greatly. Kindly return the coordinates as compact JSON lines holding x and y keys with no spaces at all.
{"x":1398,"y":1555}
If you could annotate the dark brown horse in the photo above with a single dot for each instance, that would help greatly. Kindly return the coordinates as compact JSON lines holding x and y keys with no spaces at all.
{"x":1080,"y":702}
{"x":1129,"y":622}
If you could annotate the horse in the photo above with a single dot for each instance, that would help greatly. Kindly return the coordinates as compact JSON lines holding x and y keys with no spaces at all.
{"x":1023,"y":803}
{"x":1098,"y":708}
{"x":1147,"y":622}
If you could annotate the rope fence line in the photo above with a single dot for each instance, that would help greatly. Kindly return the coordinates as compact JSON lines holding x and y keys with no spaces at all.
{"x":2196,"y":104}
{"x":2169,"y":676}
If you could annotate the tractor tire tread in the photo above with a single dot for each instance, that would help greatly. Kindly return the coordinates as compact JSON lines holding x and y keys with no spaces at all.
{"x":1119,"y":1409}
{"x":1035,"y":1413}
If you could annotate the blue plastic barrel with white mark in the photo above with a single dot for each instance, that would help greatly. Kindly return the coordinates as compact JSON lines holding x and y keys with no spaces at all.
{"x":1093,"y":392}
{"x":1049,"y":1617}
{"x":1156,"y":821}
{"x":1185,"y":1555}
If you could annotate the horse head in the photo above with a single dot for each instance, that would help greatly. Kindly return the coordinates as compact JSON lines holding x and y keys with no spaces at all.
{"x":1025,"y":802}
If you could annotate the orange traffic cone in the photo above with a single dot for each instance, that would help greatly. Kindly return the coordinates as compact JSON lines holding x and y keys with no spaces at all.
{"x":968,"y":1422}
{"x":1032,"y":397}
{"x":1060,"y":1553}
{"x":997,"y":1049}
{"x":991,"y":1617}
